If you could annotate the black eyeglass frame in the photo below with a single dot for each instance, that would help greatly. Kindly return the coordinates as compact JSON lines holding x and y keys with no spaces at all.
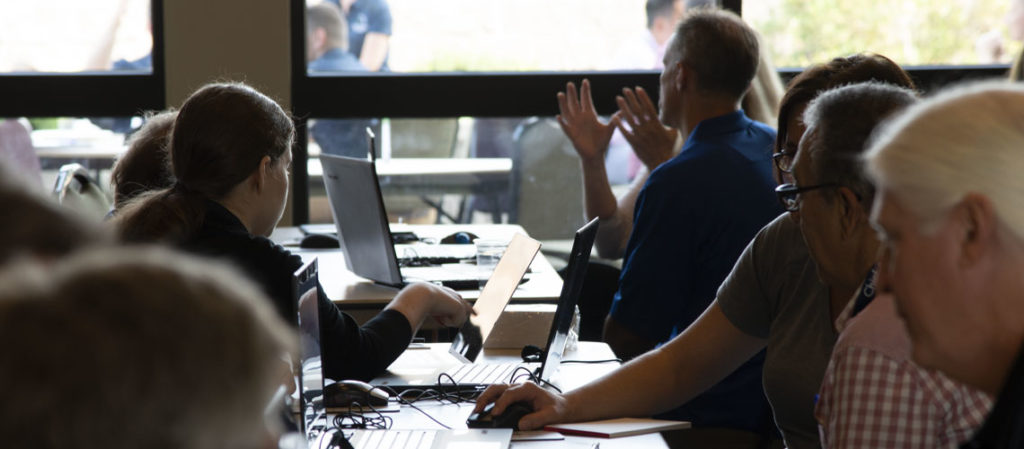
{"x":789,"y":194}
{"x":777,"y":160}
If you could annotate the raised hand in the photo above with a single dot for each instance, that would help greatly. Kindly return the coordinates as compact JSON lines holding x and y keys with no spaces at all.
{"x":652,"y":142}
{"x":580,"y":124}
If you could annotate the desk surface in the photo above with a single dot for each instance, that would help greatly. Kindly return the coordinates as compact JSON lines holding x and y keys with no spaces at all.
{"x":350,"y":290}
{"x":570,"y":377}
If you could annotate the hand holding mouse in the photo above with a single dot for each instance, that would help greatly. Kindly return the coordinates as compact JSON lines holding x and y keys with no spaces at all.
{"x":548,"y":407}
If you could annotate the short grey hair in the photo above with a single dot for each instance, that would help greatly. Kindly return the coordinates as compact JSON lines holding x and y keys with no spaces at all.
{"x":968,"y":139}
{"x":720,"y":47}
{"x":840,"y":122}
{"x":129,"y":348}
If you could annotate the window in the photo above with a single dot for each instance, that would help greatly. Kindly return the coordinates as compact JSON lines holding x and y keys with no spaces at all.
{"x":69,"y":36}
{"x":912,"y":32}
{"x":75,"y":77}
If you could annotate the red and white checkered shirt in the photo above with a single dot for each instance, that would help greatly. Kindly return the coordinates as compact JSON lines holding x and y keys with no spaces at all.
{"x":874,"y":396}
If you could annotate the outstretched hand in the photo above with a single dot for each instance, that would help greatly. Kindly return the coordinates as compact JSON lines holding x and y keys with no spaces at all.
{"x":579,"y":122}
{"x":638,"y":122}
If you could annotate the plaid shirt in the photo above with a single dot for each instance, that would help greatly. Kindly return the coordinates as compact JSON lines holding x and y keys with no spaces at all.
{"x":873,"y":396}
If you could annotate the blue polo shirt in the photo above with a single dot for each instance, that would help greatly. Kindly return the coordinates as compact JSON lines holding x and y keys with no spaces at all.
{"x":692,"y":220}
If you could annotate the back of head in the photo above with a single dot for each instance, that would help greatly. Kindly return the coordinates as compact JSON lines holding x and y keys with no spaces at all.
{"x":967,"y":139}
{"x":145,"y":165}
{"x":38,"y":227}
{"x":858,"y":68}
{"x":136,"y":348}
{"x":840,"y":122}
{"x":328,"y":16}
{"x":219,"y":137}
{"x":720,"y":48}
{"x":658,"y":8}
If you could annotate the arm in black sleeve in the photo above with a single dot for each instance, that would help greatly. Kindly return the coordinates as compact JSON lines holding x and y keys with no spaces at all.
{"x":358,"y":352}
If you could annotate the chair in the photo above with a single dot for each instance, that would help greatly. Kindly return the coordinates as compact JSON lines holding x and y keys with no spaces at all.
{"x":77,"y":190}
{"x":547,"y":183}
{"x":17,"y":150}
{"x":421,"y":138}
{"x":599,"y":287}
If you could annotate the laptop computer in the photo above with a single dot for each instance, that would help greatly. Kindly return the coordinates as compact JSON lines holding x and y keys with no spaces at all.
{"x":423,"y":369}
{"x":310,"y":378}
{"x":310,"y":383}
{"x":353,"y":191}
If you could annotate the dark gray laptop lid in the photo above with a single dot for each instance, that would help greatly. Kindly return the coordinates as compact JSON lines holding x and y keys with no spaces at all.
{"x":360,"y":217}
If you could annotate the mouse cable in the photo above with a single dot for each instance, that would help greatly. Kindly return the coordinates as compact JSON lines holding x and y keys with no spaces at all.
{"x":420,"y":397}
{"x":522,"y":371}
{"x":617,"y":360}
{"x":358,"y":418}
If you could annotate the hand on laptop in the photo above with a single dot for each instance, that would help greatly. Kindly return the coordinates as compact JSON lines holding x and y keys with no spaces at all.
{"x":421,"y":299}
{"x":549,"y":408}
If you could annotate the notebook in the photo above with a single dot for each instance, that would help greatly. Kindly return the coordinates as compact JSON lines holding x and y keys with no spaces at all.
{"x":429,"y":439}
{"x":360,"y":218}
{"x":421,"y":369}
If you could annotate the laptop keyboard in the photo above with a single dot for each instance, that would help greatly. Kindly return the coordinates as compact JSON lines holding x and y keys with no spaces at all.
{"x":427,"y":261}
{"x":387,"y":439}
{"x":485,"y":373}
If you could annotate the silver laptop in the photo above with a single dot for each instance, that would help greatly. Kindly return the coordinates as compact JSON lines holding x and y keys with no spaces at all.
{"x":429,"y":439}
{"x":411,"y":373}
{"x":310,"y":383}
{"x":310,"y":378}
{"x":360,"y":218}
{"x":418,"y":368}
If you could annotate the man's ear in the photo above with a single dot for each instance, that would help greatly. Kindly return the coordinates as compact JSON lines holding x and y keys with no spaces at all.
{"x":976,"y":217}
{"x":259,"y":178}
{"x":684,"y":76}
{"x":852,"y":214}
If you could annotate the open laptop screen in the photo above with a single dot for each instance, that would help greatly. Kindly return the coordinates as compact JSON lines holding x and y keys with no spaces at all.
{"x":310,"y":374}
{"x":495,"y":296}
{"x":575,"y":272}
{"x":360,"y":217}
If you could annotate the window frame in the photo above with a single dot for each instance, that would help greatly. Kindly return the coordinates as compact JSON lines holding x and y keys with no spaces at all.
{"x":89,"y":94}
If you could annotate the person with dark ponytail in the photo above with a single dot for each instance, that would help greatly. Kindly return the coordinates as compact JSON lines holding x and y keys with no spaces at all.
{"x":231,"y":156}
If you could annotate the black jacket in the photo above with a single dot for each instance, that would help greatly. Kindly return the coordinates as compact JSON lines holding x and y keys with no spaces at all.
{"x":349,"y":351}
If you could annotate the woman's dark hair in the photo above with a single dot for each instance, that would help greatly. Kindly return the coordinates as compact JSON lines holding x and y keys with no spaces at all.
{"x":221,"y":134}
{"x":145,"y":165}
{"x":858,"y":68}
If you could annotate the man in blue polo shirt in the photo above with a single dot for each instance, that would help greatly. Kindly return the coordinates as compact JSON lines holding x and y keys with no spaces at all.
{"x":698,"y":209}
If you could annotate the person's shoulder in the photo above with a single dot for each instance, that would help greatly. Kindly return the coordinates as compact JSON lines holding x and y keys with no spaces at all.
{"x":877,"y":328}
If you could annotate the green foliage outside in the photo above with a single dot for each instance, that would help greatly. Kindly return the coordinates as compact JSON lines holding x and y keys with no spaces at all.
{"x":911,"y":32}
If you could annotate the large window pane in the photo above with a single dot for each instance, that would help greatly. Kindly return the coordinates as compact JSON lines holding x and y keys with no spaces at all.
{"x":912,"y":32}
{"x":492,"y":35}
{"x":75,"y":35}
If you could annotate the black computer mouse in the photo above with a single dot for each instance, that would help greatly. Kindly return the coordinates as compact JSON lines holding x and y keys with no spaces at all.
{"x":319,"y":241}
{"x":347,"y":392}
{"x":462,"y":237}
{"x":509,"y":419}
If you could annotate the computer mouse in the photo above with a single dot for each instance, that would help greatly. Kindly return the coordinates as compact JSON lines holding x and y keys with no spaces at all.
{"x":461,"y":237}
{"x":319,"y":241}
{"x":509,"y":419}
{"x":347,"y":392}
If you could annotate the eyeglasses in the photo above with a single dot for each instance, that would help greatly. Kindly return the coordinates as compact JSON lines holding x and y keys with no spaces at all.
{"x":789,"y":194}
{"x":783,"y":161}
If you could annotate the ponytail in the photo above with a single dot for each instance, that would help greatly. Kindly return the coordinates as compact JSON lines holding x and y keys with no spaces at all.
{"x":171,"y":215}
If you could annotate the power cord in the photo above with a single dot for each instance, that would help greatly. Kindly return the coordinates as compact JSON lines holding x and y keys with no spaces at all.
{"x":617,"y":360}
